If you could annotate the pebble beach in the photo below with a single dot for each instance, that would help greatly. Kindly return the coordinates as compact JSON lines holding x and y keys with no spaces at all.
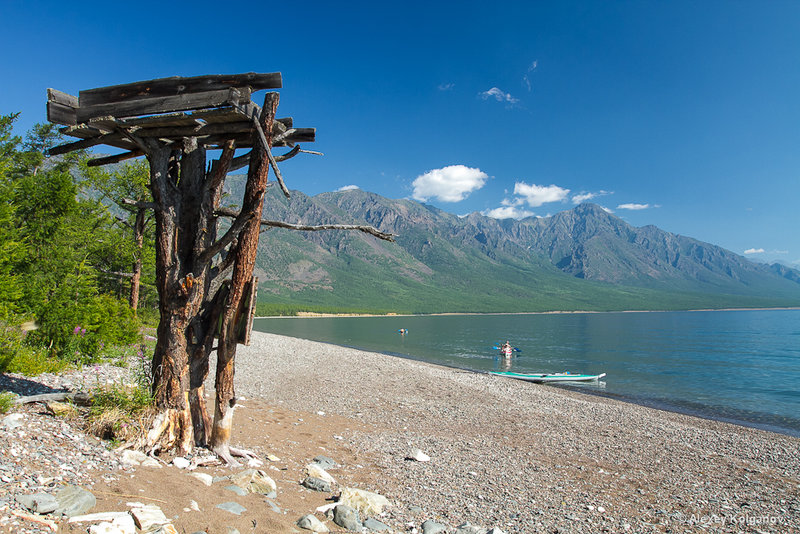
{"x":453,"y":451}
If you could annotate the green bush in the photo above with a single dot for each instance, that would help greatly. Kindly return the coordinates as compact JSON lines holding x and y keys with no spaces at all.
{"x":6,"y":401}
{"x":17,"y":356}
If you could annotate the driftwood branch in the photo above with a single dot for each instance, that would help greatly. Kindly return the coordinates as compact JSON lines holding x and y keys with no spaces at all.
{"x":272,"y":162}
{"x":225,"y":212}
{"x":139,"y":204}
{"x":78,"y":398}
{"x":241,"y":219}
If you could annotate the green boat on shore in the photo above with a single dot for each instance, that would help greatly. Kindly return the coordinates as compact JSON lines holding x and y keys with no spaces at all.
{"x":550,"y":377}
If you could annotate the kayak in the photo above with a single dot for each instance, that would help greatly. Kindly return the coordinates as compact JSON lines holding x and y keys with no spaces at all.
{"x":550,"y":377}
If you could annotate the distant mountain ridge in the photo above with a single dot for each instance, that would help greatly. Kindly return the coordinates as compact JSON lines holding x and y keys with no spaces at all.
{"x":580,"y":259}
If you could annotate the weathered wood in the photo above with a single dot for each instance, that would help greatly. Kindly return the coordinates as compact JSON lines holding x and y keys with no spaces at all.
{"x":59,"y":97}
{"x":84,"y":143}
{"x":178,"y":85}
{"x":166,"y":104}
{"x":196,"y":130}
{"x":61,"y":114}
{"x":227,"y":212}
{"x":82,"y":131}
{"x":245,"y":326}
{"x":78,"y":398}
{"x":108,"y":160}
{"x":170,"y":119}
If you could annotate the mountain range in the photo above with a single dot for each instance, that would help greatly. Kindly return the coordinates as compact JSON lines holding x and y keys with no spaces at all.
{"x":581,"y":259}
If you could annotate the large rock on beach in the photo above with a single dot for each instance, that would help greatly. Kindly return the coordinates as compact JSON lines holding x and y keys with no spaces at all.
{"x":73,"y":500}
{"x":347,"y":517}
{"x":310,"y":522}
{"x":432,"y":527}
{"x":366,"y":502}
{"x":38,"y":503}
{"x":254,"y":481}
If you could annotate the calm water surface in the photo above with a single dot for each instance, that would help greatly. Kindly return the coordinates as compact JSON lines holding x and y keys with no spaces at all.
{"x":738,"y":366}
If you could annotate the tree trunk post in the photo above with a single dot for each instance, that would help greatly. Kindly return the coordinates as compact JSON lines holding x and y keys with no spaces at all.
{"x":242,"y":274}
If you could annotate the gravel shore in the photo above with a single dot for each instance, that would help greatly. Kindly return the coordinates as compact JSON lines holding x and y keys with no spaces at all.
{"x":531,"y":458}
{"x":503,"y":454}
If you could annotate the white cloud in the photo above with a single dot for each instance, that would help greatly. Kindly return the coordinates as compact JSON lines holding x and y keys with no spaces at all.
{"x":536,"y":195}
{"x":607,"y":210}
{"x":525,"y":78}
{"x":507,"y":212}
{"x":348,"y":188}
{"x":780,"y":251}
{"x":498,"y":95}
{"x":634,"y":207}
{"x":584,"y":196}
{"x":448,"y":184}
{"x":754,"y":251}
{"x":446,"y":86}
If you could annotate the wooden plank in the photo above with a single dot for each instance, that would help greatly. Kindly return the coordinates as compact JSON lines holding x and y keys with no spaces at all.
{"x":61,"y":114}
{"x":54,"y":95}
{"x":177,"y":85}
{"x":152,"y":106}
{"x":97,"y":162}
{"x":82,"y":131}
{"x":196,"y":131}
{"x":170,"y":119}
{"x":84,"y":143}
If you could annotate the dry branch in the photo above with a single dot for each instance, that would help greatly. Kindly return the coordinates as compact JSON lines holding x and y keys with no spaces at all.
{"x":226,"y":212}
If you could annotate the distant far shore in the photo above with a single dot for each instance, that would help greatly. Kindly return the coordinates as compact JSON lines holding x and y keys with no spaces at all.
{"x":306,"y":315}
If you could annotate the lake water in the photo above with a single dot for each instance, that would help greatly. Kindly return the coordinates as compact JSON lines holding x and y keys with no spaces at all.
{"x":740,"y":366}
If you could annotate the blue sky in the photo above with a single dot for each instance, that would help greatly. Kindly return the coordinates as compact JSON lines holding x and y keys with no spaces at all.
{"x":685,"y":115}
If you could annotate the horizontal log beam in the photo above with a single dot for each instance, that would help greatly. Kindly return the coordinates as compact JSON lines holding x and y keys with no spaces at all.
{"x":167,"y":104}
{"x":178,"y":85}
{"x":61,"y":108}
{"x":85,"y":143}
{"x":108,"y":160}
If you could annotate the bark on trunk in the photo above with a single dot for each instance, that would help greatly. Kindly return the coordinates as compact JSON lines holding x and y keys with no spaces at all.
{"x":245,"y":255}
{"x":176,"y":185}
{"x":137,"y":264}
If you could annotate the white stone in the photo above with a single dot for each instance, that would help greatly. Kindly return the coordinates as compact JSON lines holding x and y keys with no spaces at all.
{"x":149,"y":516}
{"x":100,"y":516}
{"x":180,"y":462}
{"x":131,"y":457}
{"x":366,"y":502}
{"x":194,"y":506}
{"x":325,"y":508}
{"x":152,"y":462}
{"x":314,"y":470}
{"x":310,"y":522}
{"x":13,"y":421}
{"x":273,"y":458}
{"x":254,"y":462}
{"x":419,"y":456}
{"x":254,"y":481}
{"x":601,"y":509}
{"x":203,"y":477}
{"x":104,"y":528}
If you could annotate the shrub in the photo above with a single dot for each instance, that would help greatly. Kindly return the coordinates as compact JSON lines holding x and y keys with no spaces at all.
{"x":6,"y":401}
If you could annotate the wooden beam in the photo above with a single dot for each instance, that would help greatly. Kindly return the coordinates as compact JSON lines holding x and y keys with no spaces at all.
{"x":84,"y":143}
{"x":196,"y":131}
{"x":61,"y":108}
{"x":53,"y":95}
{"x":167,"y":104}
{"x":177,"y":85}
{"x":114,"y":159}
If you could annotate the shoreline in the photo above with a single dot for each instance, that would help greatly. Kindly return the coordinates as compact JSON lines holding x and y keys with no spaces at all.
{"x":523,"y":457}
{"x":312,"y":315}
